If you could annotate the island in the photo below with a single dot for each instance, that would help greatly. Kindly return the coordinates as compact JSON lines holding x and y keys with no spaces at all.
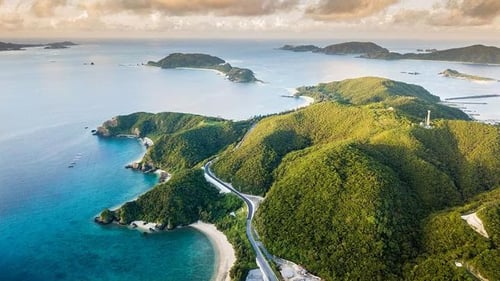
{"x":362,"y":188}
{"x":472,"y":54}
{"x":338,"y":49}
{"x":60,"y":45}
{"x":20,"y":47}
{"x":301,"y":48}
{"x":204,"y":61}
{"x":451,"y":73}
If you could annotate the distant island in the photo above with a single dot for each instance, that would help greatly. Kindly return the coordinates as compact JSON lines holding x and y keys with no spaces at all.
{"x":204,"y":61}
{"x":60,"y":45}
{"x":20,"y":47}
{"x":451,"y":73}
{"x":472,"y":54}
{"x":339,"y":49}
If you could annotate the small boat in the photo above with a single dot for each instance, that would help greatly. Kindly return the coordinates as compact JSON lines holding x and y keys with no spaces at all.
{"x":71,"y":166}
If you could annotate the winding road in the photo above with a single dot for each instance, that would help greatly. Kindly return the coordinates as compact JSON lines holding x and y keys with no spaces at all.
{"x":262,"y":262}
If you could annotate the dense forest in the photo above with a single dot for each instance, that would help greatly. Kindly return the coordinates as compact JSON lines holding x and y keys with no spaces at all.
{"x":349,"y":181}
{"x":355,"y":188}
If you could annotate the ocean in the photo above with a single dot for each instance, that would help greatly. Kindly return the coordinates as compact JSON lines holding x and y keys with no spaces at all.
{"x":51,"y":99}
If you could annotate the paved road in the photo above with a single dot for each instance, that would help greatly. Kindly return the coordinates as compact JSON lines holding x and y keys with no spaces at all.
{"x":264,"y":266}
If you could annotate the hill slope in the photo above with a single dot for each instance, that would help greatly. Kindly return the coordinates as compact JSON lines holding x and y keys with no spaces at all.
{"x":355,"y":189}
{"x":181,"y":140}
{"x":348,"y":184}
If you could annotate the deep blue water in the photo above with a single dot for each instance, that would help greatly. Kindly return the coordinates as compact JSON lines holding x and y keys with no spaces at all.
{"x":48,"y":97}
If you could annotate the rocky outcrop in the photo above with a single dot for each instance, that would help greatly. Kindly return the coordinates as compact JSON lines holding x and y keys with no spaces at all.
{"x":106,"y":217}
{"x":147,"y":167}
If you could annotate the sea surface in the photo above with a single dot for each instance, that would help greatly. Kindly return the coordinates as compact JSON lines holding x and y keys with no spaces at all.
{"x":51,"y":99}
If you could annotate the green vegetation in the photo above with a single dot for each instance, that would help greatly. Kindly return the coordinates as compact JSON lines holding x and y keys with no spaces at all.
{"x":234,"y":228}
{"x":181,"y":143}
{"x":350,"y":181}
{"x":180,"y":201}
{"x":447,"y":239}
{"x":235,"y":74}
{"x":355,"y":189}
{"x":181,"y":140}
{"x":412,"y":100}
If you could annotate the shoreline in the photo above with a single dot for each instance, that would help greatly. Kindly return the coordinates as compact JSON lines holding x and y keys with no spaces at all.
{"x":224,"y":252}
{"x":204,"y":69}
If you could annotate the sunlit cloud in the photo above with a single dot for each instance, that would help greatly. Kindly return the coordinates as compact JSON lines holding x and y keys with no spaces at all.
{"x":337,"y":10}
{"x":260,"y":17}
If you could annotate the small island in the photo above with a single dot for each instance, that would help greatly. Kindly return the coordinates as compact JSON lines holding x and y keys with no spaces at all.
{"x":359,"y":48}
{"x":21,"y":47}
{"x":59,"y":45}
{"x":451,"y":73}
{"x":204,"y":61}
{"x":472,"y":54}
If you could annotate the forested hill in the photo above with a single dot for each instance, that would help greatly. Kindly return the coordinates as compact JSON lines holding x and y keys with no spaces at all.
{"x":204,"y":61}
{"x":411,"y":100}
{"x":349,"y":180}
{"x":180,"y":140}
{"x":355,"y":188}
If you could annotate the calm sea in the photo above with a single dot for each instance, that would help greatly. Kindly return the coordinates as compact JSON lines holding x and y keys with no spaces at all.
{"x":51,"y":99}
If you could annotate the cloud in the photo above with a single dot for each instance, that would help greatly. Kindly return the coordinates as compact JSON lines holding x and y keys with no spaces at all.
{"x":10,"y":22}
{"x":198,"y":7}
{"x":452,"y":13}
{"x":485,"y":10}
{"x":46,"y":8}
{"x":341,"y":10}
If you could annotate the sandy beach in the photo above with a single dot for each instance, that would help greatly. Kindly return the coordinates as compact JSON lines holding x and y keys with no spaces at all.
{"x":225,"y":252}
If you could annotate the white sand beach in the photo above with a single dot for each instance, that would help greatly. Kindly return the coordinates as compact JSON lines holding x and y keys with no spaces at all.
{"x":204,"y":69}
{"x":143,"y":226}
{"x":307,"y":101}
{"x":225,"y":252}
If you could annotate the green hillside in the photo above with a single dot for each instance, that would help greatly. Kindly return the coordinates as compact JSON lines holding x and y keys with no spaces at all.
{"x":349,"y":184}
{"x":413,"y":100}
{"x":181,"y":140}
{"x":355,"y":188}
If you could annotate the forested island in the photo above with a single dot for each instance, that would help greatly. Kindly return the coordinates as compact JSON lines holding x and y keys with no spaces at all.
{"x":451,"y":73}
{"x":355,"y":188}
{"x":19,"y":47}
{"x":472,"y":54}
{"x":204,"y":61}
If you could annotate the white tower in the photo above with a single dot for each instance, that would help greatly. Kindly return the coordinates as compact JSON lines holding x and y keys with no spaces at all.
{"x":428,"y":119}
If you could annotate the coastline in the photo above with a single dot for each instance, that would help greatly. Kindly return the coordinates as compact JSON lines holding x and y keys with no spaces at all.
{"x":307,"y":101}
{"x":225,"y":255}
{"x":204,"y":69}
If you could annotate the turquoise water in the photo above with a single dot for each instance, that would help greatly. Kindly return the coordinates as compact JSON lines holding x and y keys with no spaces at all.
{"x":48,"y":97}
{"x":46,"y":211}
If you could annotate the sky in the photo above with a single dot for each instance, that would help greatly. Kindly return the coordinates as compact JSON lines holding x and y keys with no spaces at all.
{"x":391,"y":19}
